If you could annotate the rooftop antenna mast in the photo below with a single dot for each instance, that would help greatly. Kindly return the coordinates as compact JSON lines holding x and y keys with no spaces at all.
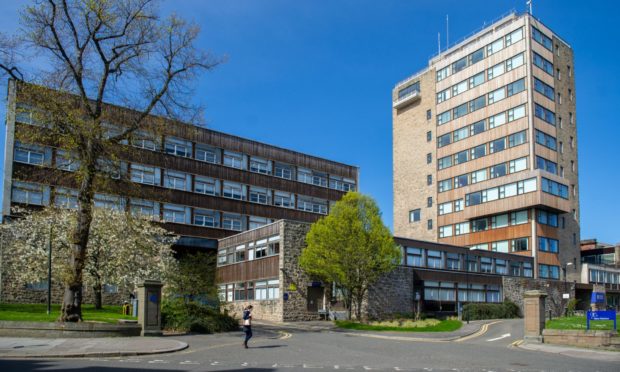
{"x":448,"y":32}
{"x":529,"y":4}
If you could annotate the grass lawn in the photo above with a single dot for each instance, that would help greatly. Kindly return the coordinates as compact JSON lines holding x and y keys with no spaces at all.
{"x":38,"y":313}
{"x":579,"y":322}
{"x":429,"y":325}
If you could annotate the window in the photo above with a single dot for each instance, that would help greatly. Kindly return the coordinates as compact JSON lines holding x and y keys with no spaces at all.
{"x":514,"y":36}
{"x":515,"y":87}
{"x":459,"y":111}
{"x":444,"y":140}
{"x":477,"y":127}
{"x":547,"y":140}
{"x":429,"y":179}
{"x":28,"y":154}
{"x":429,"y":224}
{"x":233,"y":159}
{"x":478,"y":151}
{"x":260,"y":165}
{"x":256,"y":222}
{"x":178,"y":147}
{"x":514,"y":62}
{"x":527,"y":269}
{"x":544,"y":114}
{"x":145,"y":140}
{"x":232,"y":222}
{"x":477,"y":104}
{"x":520,"y":244}
{"x":479,"y":176}
{"x":481,"y":224}
{"x":498,"y":170}
{"x":175,"y":180}
{"x":283,"y":171}
{"x":547,"y":218}
{"x":548,"y":271}
{"x":258,"y":195}
{"x":340,"y":183}
{"x":476,"y":80}
{"x":434,"y":259}
{"x":443,"y":73}
{"x":542,"y":39}
{"x":429,"y":158}
{"x":545,"y":90}
{"x":500,"y":268}
{"x":312,"y":205}
{"x":572,"y":142}
{"x":515,"y":268}
{"x":476,"y":56}
{"x":548,"y":245}
{"x":460,"y":181}
{"x":554,"y":188}
{"x":445,"y":185}
{"x":542,"y":63}
{"x":461,"y":228}
{"x":429,"y":201}
{"x":445,"y":208}
{"x":461,"y":133}
{"x":267,"y":290}
{"x":233,"y":190}
{"x":495,"y":46}
{"x":486,"y":264}
{"x":65,"y":198}
{"x":499,"y":221}
{"x":429,"y":114}
{"x":175,"y":213}
{"x":207,"y":218}
{"x":546,"y":165}
{"x":453,"y":261}
{"x":429,"y":136}
{"x":207,"y":154}
{"x":459,"y":65}
{"x":67,"y":161}
{"x":518,"y":165}
{"x":474,"y":198}
{"x":460,"y":157}
{"x":458,"y":205}
{"x":284,"y":199}
{"x":496,"y":71}
{"x":409,"y":90}
{"x":459,"y":88}
{"x":497,"y":145}
{"x":516,"y":139}
{"x":497,"y":95}
{"x":206,"y":185}
{"x":443,"y":118}
{"x":497,"y":120}
{"x":414,"y":215}
{"x":445,"y":162}
{"x":518,"y":218}
{"x":144,"y":208}
{"x":516,"y":113}
{"x":445,"y":231}
{"x":414,"y":257}
{"x":108,"y":201}
{"x":144,"y":174}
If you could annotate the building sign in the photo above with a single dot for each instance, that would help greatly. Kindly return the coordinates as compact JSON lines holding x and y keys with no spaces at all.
{"x":292,"y":287}
{"x":285,"y":296}
{"x":598,"y":298}
{"x":601,"y":315}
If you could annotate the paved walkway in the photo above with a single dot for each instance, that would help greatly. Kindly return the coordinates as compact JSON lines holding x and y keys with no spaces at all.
{"x":22,"y":347}
{"x":576,"y":352}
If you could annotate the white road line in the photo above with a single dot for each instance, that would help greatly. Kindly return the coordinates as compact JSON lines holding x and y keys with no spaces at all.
{"x":499,"y":338}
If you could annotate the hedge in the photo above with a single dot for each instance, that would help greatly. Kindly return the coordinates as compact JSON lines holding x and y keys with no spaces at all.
{"x":480,"y":311}
{"x":195,"y":317}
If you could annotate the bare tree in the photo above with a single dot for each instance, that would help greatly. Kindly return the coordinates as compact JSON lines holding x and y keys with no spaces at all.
{"x":96,"y":53}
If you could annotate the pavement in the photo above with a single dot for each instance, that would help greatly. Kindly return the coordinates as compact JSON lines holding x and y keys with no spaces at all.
{"x":20,"y":347}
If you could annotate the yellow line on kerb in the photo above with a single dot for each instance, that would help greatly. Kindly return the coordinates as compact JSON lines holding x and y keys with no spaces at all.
{"x":481,"y":331}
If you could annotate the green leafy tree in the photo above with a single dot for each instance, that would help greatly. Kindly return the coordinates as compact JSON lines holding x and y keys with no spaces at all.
{"x":350,"y":247}
{"x":195,"y":276}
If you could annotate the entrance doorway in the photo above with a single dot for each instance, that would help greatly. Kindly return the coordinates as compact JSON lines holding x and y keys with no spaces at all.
{"x":315,"y":296}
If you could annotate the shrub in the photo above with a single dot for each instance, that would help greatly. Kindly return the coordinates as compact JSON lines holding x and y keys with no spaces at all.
{"x":195,"y":317}
{"x":572,"y":306}
{"x":481,"y":311}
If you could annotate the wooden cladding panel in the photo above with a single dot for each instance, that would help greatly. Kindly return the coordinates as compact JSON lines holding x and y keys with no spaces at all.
{"x":252,"y":235}
{"x":264,"y":268}
{"x":548,"y":258}
{"x":493,"y":235}
{"x":197,"y":231}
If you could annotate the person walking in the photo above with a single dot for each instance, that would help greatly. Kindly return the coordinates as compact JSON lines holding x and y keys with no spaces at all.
{"x":247,"y":324}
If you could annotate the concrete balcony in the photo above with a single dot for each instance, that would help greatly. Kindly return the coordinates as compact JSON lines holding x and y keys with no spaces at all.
{"x":406,"y":99}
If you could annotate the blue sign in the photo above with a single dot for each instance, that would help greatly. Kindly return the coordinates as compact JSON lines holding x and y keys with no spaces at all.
{"x":597,"y":298}
{"x":600,"y":315}
{"x":285,"y":296}
{"x":316,"y":284}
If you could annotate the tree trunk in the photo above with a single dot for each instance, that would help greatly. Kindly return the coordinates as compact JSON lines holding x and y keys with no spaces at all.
{"x":97,"y":293}
{"x":72,"y":300}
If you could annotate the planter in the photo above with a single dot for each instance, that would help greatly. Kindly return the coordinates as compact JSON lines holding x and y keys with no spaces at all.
{"x":67,"y":330}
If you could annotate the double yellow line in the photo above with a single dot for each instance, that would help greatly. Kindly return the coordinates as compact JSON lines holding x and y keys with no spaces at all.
{"x":481,"y":331}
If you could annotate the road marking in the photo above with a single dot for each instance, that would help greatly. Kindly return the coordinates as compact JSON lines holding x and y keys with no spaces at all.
{"x":285,"y":335}
{"x":308,"y":366}
{"x":516,"y":343}
{"x":499,"y":338}
{"x":189,"y":362}
{"x":397,"y":338}
{"x":158,"y":361}
{"x":483,"y":330}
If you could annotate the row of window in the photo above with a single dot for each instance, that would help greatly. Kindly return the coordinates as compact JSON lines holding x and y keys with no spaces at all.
{"x":546,"y":140}
{"x":479,"y":78}
{"x":495,"y":171}
{"x":484,"y":149}
{"x":542,"y":39}
{"x":483,"y":224}
{"x":546,"y":165}
{"x":450,"y":292}
{"x":35,"y":194}
{"x":205,"y":153}
{"x":250,"y":251}
{"x":544,"y":89}
{"x":544,"y":114}
{"x":604,"y":277}
{"x":500,"y":192}
{"x":149,"y":175}
{"x":554,"y":188}
{"x":471,"y":262}
{"x":409,"y":90}
{"x":548,"y":271}
{"x":542,"y":63}
{"x":244,"y":291}
{"x":478,"y":127}
{"x":480,"y":102}
{"x":480,"y":54}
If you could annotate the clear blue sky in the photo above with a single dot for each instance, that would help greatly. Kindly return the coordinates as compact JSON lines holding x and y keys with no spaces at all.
{"x":316,"y":76}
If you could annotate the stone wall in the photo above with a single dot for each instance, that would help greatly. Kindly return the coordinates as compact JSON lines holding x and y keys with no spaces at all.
{"x":262,"y":310}
{"x":514,"y":289}
{"x":606,"y":339}
{"x":391,"y":294}
{"x":13,"y":292}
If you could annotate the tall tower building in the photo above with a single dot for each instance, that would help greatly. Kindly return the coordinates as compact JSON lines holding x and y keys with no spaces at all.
{"x":485,"y":147}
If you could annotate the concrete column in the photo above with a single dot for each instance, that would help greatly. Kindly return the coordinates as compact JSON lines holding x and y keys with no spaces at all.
{"x":149,"y":307}
{"x":534,"y":315}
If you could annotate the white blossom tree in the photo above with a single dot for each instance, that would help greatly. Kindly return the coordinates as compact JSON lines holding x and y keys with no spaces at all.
{"x":122,"y":250}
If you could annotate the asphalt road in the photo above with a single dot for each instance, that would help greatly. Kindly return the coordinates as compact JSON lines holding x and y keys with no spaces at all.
{"x":334,"y":350}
